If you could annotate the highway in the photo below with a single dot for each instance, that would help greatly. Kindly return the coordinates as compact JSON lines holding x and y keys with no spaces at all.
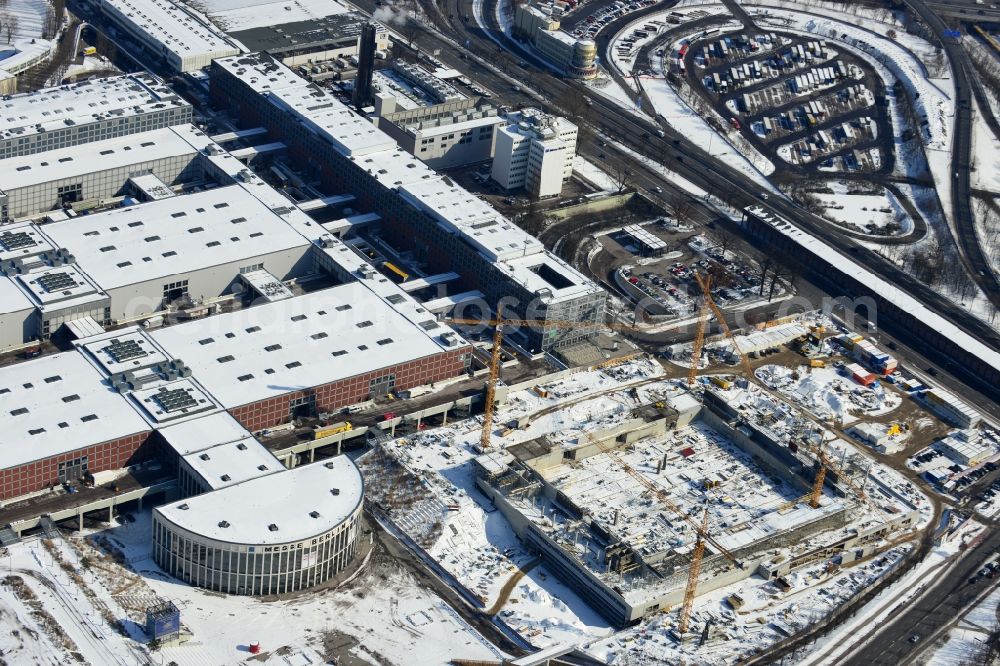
{"x":976,"y":261}
{"x":914,"y":629}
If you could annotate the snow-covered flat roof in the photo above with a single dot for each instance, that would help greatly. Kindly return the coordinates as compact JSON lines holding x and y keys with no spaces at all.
{"x":173,"y":26}
{"x":60,"y":288}
{"x":243,"y":14}
{"x":286,"y":507}
{"x":12,"y":299}
{"x":123,"y":350}
{"x":203,"y":433}
{"x":333,"y":121}
{"x":394,"y":168}
{"x":171,"y":401}
{"x":82,"y":103}
{"x":260,"y":72}
{"x":548,"y":277}
{"x":174,"y":236}
{"x":22,"y":241}
{"x":451,"y":206}
{"x":87,"y":158}
{"x":59,"y":403}
{"x":298,"y":343}
{"x":484,"y":227}
{"x":881,"y":287}
{"x":230,"y":463}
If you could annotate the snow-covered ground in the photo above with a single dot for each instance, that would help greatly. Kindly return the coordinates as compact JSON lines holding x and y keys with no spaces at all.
{"x":831,"y":648}
{"x":382,"y":611}
{"x":986,"y":176}
{"x":475,"y":544}
{"x":593,"y":174}
{"x":828,"y":394}
{"x":866,"y":213}
{"x":25,"y":44}
{"x":970,"y":634}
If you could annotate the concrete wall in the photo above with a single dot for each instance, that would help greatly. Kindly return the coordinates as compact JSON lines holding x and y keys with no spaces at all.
{"x":17,"y":327}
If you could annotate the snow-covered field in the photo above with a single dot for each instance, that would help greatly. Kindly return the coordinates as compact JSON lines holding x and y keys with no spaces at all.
{"x":879,"y":213}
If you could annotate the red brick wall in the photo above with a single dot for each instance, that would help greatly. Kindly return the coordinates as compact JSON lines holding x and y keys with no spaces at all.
{"x":40,"y":474}
{"x":274,"y":411}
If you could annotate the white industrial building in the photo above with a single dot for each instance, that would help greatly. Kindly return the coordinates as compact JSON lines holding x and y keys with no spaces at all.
{"x":273,"y":534}
{"x":88,"y":175}
{"x":445,"y":135}
{"x":966,"y":447}
{"x":456,"y":231}
{"x":305,"y":342}
{"x":175,"y":33}
{"x":93,"y":110}
{"x":195,"y":245}
{"x":534,"y":151}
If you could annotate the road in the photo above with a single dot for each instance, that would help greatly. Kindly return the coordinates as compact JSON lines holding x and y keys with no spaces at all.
{"x":945,"y":601}
{"x":977,"y":262}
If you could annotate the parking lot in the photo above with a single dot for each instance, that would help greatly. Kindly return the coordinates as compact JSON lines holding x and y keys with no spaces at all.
{"x":664,"y":286}
{"x":592,"y":23}
{"x":796,"y":99}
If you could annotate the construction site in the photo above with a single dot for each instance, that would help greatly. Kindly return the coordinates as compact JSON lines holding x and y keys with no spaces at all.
{"x":693,"y":495}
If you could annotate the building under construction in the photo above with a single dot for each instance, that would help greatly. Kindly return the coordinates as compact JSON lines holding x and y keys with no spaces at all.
{"x":617,"y":513}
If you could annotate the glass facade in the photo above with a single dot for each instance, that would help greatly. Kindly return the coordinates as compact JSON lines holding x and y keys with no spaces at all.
{"x":254,"y":569}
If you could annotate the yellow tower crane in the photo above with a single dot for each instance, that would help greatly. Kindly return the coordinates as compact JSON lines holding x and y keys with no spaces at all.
{"x":491,"y":384}
{"x":695,"y":569}
{"x":817,"y":490}
{"x":706,"y":283}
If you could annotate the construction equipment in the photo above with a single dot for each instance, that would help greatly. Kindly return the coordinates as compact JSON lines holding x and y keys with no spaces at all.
{"x":660,"y":495}
{"x":695,"y":568}
{"x":494,"y":365}
{"x":817,"y":490}
{"x":706,"y":283}
{"x":699,"y":341}
{"x":491,"y":384}
{"x":701,"y":529}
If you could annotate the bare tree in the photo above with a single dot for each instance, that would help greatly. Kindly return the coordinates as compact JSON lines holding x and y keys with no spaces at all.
{"x":765,"y":263}
{"x":683,"y":210}
{"x":410,"y":28}
{"x":621,"y":176}
{"x":725,"y":240}
{"x":10,"y":27}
